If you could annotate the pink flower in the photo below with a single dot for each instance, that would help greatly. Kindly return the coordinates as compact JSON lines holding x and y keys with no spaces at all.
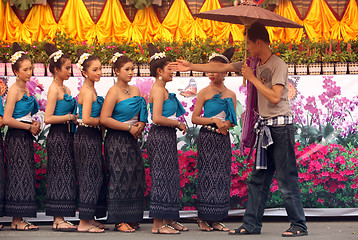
{"x":320,"y":200}
{"x":144,"y":85}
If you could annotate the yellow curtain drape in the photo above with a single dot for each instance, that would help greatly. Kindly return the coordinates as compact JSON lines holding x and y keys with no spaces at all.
{"x":40,"y":23}
{"x":348,"y":27}
{"x":114,"y":24}
{"x":13,"y":28}
{"x":286,"y":10}
{"x":148,"y":23}
{"x":319,"y":21}
{"x":181,"y":23}
{"x":2,"y":21}
{"x":77,"y":22}
{"x":178,"y":24}
{"x":217,"y":29}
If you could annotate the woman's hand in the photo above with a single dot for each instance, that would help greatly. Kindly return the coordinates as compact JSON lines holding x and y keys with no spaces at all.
{"x":223,"y":128}
{"x":182,"y":127}
{"x":35,"y":128}
{"x":135,"y":131}
{"x":73,"y":118}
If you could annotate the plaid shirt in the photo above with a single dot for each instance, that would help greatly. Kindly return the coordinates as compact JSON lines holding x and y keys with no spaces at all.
{"x":264,"y":138}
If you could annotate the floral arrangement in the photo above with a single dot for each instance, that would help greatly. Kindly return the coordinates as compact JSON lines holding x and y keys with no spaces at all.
{"x":83,"y":58}
{"x":196,"y":51}
{"x":116,"y":56}
{"x":328,"y":177}
{"x":327,"y":118}
{"x":16,"y":56}
{"x":157,"y":56}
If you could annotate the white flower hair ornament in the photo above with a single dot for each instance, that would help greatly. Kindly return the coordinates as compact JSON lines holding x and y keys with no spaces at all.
{"x":16,"y":56}
{"x":116,"y":56}
{"x":219,"y":55}
{"x":83,"y":58}
{"x":56,"y":55}
{"x":157,"y":56}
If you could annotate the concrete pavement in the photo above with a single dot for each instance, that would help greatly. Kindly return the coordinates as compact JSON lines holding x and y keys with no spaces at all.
{"x":318,"y":230}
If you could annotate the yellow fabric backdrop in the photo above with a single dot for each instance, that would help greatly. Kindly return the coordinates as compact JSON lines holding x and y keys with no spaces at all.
{"x":286,"y":10}
{"x":320,"y":23}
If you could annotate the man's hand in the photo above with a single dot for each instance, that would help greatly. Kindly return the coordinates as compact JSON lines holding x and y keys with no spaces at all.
{"x":247,"y":72}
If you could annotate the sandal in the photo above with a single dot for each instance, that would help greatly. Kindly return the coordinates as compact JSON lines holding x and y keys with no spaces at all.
{"x":208,"y":229}
{"x":90,"y":228}
{"x":220,"y":225}
{"x":124,"y":227}
{"x":175,"y":223}
{"x":296,"y":232}
{"x":238,"y":231}
{"x":64,"y":229}
{"x":134,"y":225}
{"x":26,"y":227}
{"x":101,"y":226}
{"x":165,"y":226}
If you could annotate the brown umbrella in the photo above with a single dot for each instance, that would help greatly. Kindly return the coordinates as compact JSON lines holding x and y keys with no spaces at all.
{"x":246,"y":14}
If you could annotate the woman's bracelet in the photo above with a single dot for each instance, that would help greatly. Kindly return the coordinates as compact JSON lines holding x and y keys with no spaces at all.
{"x":179,"y":124}
{"x":129,"y":128}
{"x":69,"y":117}
{"x":30,"y":127}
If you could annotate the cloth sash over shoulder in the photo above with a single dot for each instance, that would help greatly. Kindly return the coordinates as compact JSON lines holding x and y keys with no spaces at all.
{"x":171,"y":106}
{"x":65,"y":106}
{"x":216,"y":105}
{"x":96,"y":108}
{"x":1,"y":109}
{"x":27,"y":104}
{"x":250,"y":116}
{"x":127,"y":109}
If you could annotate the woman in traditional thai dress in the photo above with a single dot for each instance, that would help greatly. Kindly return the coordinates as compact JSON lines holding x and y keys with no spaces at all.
{"x":124,"y":114}
{"x":162,"y":147}
{"x":89,"y":161}
{"x":20,"y":182}
{"x":214,"y":147}
{"x":61,"y":114}
{"x":2,"y":170}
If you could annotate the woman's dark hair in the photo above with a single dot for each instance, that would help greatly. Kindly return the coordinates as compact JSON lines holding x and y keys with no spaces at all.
{"x":119,"y":63}
{"x":86,"y":63}
{"x":49,"y":48}
{"x":156,"y":63}
{"x":16,"y":48}
{"x":258,"y":31}
{"x":228,"y":53}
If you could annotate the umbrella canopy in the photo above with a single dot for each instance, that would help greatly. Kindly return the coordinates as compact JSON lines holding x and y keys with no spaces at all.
{"x":247,"y":14}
